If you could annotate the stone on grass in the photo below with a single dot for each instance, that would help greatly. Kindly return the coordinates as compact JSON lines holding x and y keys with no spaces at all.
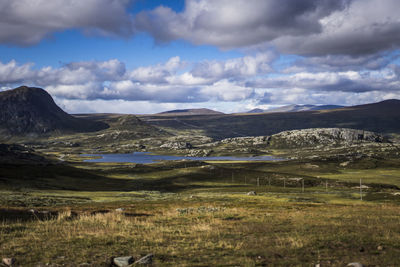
{"x":8,"y":261}
{"x":380,"y":248}
{"x":119,"y":210}
{"x":355,"y":264}
{"x":148,"y":259}
{"x":123,"y":261}
{"x":252,"y":193}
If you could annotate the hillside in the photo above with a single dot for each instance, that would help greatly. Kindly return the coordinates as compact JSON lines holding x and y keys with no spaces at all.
{"x":382,"y":117}
{"x":295,"y":108}
{"x":188,"y":112}
{"x":29,"y":110}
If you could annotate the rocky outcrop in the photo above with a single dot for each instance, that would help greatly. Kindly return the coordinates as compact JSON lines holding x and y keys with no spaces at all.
{"x":177,"y":145}
{"x":305,"y":138}
{"x":322,"y":136}
{"x":199,"y":152}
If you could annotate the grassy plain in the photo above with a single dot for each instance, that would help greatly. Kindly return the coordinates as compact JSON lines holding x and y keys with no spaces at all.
{"x":198,"y":213}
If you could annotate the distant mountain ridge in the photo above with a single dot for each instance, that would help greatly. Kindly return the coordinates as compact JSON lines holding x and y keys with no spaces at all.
{"x":295,"y":108}
{"x":382,"y":117}
{"x":187,"y":112}
{"x":31,"y":110}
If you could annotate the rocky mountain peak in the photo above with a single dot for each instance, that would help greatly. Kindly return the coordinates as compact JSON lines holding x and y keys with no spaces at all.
{"x":26,"y":110}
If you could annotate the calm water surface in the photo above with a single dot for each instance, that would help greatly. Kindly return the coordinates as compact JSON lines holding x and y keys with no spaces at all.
{"x":146,"y":157}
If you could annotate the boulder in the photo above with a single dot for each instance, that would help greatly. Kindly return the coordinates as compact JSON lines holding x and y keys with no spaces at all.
{"x":123,"y":261}
{"x":8,"y":261}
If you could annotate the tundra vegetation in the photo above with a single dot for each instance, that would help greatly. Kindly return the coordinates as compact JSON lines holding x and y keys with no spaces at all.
{"x":187,"y":213}
{"x":333,"y":200}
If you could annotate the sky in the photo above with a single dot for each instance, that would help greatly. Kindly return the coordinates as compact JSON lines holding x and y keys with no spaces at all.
{"x":148,"y":56}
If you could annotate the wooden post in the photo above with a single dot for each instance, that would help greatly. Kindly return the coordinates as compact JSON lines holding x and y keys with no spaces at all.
{"x":302,"y":185}
{"x":361,"y":189}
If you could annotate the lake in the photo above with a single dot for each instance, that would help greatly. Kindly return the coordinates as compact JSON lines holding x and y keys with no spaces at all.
{"x":147,"y":157}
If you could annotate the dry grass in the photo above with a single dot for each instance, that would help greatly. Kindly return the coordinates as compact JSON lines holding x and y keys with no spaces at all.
{"x":244,"y":233}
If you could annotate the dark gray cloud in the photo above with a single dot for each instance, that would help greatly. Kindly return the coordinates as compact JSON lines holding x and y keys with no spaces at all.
{"x":342,"y":63}
{"x":307,"y":27}
{"x":239,"y":23}
{"x":25,"y":22}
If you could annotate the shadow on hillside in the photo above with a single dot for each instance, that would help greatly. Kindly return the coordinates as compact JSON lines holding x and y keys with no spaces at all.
{"x":56,"y":177}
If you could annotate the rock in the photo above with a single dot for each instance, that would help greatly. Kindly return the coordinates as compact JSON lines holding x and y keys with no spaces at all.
{"x":123,"y":261}
{"x":323,"y":136}
{"x":177,"y":145}
{"x":344,"y":164}
{"x":380,"y":248}
{"x":148,"y":259}
{"x":355,"y":264}
{"x":8,"y":261}
{"x":252,"y":193}
{"x":142,"y":147}
{"x":199,"y":152}
{"x":32,"y":211}
{"x":119,"y":210}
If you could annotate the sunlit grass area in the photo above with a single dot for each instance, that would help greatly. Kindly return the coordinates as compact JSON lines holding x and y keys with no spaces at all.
{"x":229,"y":230}
{"x":303,"y":212}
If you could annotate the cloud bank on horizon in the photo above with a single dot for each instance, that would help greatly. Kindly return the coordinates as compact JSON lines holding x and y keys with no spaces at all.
{"x":303,"y":52}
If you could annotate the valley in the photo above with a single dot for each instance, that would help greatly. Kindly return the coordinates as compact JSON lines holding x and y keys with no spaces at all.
{"x":333,"y":200}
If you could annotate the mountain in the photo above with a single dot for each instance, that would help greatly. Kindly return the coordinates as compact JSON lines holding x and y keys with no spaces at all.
{"x":295,"y":108}
{"x":382,"y":117}
{"x":189,"y":112}
{"x":29,"y":110}
{"x":256,"y":110}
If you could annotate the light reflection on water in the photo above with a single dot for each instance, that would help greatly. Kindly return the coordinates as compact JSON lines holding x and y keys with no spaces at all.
{"x":147,"y":157}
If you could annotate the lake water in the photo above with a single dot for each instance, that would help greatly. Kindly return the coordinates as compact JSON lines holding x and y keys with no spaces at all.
{"x":146,"y":157}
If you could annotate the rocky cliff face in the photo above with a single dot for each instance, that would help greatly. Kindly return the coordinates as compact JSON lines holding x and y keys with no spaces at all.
{"x":307,"y":138}
{"x":27,"y":110}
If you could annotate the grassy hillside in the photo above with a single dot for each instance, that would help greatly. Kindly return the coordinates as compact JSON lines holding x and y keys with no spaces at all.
{"x":383,"y":117}
{"x":199,"y":214}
